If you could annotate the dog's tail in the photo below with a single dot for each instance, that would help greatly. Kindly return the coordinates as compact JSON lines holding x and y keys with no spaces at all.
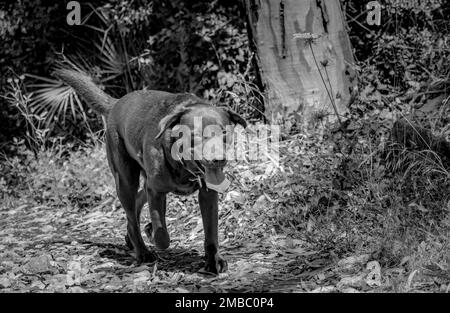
{"x":96,"y":98}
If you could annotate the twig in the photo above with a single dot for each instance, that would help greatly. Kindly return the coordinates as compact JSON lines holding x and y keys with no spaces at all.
{"x":325,"y":85}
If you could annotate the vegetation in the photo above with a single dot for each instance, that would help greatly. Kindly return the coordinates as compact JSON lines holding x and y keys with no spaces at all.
{"x":193,"y":46}
{"x":348,"y":210}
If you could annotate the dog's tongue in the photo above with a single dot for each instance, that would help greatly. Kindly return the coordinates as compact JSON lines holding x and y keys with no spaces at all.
{"x":215,"y":179}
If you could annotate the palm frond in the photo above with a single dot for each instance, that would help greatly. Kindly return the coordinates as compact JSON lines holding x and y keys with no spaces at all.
{"x":113,"y":63}
{"x":55,"y":100}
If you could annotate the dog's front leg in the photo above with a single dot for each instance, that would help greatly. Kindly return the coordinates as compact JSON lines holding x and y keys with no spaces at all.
{"x":209,"y":207}
{"x":141,"y":199}
{"x":158,"y":228}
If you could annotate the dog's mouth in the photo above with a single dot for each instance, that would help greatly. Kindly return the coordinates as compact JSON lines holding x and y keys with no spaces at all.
{"x":211,"y":172}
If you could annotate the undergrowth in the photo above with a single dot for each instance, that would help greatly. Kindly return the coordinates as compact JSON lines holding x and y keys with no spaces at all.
{"x":338,"y":202}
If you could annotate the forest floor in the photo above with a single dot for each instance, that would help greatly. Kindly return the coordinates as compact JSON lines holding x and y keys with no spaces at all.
{"x":282,"y":229}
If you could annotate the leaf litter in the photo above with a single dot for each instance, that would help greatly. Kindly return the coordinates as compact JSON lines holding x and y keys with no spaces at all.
{"x":55,"y":247}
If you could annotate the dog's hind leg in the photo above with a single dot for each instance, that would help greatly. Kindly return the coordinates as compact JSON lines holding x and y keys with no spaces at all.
{"x":126,"y":174}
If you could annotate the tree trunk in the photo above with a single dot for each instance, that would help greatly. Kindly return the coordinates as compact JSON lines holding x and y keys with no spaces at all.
{"x":297,"y":84}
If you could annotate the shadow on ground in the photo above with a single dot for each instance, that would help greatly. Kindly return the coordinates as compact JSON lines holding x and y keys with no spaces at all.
{"x":188,"y":261}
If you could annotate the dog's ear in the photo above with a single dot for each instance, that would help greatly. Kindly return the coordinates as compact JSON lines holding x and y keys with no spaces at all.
{"x":236,"y":118}
{"x":170,"y":120}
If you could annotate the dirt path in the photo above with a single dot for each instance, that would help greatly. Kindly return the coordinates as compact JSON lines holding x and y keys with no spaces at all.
{"x":46,"y":248}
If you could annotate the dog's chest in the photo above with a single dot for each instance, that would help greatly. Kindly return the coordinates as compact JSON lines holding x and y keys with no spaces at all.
{"x":185,"y":186}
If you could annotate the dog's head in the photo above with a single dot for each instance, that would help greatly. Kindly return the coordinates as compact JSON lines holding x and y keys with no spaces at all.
{"x":201,"y":135}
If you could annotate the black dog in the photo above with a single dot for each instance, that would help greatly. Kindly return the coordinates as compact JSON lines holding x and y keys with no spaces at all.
{"x":136,"y":146}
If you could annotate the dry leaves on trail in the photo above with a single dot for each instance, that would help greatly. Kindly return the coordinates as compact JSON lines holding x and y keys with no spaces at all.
{"x":272,"y":233}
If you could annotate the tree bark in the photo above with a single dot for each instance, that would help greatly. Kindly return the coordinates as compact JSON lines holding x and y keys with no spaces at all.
{"x":296,"y":82}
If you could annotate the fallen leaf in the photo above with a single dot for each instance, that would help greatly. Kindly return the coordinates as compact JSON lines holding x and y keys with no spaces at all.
{"x":4,"y":282}
{"x":374,"y":277}
{"x":260,"y":203}
{"x":349,"y":290}
{"x":235,"y":196}
{"x":410,"y":279}
{"x":300,"y":251}
{"x":351,"y":281}
{"x":77,"y":289}
{"x":37,"y":284}
{"x":324,"y":289}
{"x":351,"y":262}
{"x":39,"y":264}
{"x":47,"y":228}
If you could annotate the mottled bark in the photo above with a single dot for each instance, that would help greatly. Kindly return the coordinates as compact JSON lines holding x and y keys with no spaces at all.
{"x":293,"y":74}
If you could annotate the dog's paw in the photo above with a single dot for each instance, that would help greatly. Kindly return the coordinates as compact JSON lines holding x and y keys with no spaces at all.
{"x":160,"y":239}
{"x":216,"y":264}
{"x":146,"y":256}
